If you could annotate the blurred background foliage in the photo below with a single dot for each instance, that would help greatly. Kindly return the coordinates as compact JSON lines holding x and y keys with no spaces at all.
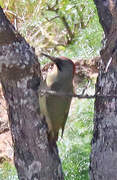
{"x":68,"y":28}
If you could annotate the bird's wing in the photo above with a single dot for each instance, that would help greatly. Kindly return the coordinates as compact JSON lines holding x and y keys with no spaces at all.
{"x":65,"y":117}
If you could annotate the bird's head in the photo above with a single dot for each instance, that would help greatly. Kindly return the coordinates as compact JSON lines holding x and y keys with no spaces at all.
{"x":64,"y":66}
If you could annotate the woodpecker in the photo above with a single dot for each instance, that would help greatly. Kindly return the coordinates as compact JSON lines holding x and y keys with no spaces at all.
{"x":55,"y":108}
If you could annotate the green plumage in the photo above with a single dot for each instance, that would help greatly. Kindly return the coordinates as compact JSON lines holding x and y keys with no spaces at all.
{"x":56,"y":108}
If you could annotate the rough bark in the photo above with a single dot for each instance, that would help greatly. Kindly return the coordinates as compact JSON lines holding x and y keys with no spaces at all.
{"x":105,"y":16}
{"x":103,"y":164}
{"x":20,"y":78}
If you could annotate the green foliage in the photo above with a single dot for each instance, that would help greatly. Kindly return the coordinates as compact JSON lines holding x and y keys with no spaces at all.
{"x":43,"y":24}
{"x":7,"y":172}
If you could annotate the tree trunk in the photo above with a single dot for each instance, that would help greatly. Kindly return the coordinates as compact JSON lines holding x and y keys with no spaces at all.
{"x":103,"y":164}
{"x":20,"y":78}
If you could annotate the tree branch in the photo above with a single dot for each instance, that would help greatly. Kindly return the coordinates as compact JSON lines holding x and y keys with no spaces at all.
{"x":64,"y":21}
{"x":49,"y":20}
{"x":105,"y":16}
{"x":79,"y":96}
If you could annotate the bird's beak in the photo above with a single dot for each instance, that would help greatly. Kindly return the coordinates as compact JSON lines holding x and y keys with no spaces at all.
{"x":53,"y":59}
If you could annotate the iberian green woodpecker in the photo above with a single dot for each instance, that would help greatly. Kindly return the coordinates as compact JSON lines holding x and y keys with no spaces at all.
{"x":55,"y":108}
